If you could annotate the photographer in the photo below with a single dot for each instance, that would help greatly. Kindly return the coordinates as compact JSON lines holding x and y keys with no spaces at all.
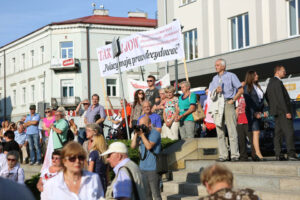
{"x":149,"y":143}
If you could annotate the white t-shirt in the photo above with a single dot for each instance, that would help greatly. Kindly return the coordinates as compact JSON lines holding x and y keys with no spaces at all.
{"x":116,"y":117}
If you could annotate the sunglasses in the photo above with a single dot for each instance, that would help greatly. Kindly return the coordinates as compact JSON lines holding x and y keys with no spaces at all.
{"x":11,"y":159}
{"x":141,"y":93}
{"x":55,"y":158}
{"x":47,"y":112}
{"x":149,"y":80}
{"x":86,"y":104}
{"x":74,"y":158}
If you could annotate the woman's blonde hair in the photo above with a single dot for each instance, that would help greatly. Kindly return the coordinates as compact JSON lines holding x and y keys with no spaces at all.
{"x":215,"y":174}
{"x":99,"y":144}
{"x":72,"y":149}
{"x":170,"y":89}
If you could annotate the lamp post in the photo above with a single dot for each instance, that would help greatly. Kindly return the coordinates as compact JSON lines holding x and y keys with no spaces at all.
{"x":116,"y":53}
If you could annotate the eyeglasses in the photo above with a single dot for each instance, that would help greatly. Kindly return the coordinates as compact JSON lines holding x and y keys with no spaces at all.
{"x":149,"y":80}
{"x":74,"y":158}
{"x":55,"y":158}
{"x":11,"y":159}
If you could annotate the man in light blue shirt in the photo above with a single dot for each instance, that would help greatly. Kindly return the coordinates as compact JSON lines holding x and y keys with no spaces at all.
{"x":228,"y":84}
{"x":149,"y":142}
{"x":32,"y":132}
{"x":20,"y":138}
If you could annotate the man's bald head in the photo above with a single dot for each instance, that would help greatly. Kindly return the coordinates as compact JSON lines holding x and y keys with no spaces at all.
{"x":145,"y":120}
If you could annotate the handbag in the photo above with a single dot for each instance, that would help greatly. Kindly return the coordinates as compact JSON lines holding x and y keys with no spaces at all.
{"x":198,"y":114}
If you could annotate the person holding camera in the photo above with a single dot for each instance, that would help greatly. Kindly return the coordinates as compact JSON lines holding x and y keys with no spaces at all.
{"x":155,"y":118}
{"x":149,"y":142}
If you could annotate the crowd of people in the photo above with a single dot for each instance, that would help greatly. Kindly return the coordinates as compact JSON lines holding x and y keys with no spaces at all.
{"x":81,"y":159}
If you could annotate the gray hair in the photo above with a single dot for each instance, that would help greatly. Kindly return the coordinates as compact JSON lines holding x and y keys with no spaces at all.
{"x":20,"y":123}
{"x":62,"y":111}
{"x":186,"y":83}
{"x":13,"y":153}
{"x":95,"y":127}
{"x":223,"y":61}
{"x":146,"y":101}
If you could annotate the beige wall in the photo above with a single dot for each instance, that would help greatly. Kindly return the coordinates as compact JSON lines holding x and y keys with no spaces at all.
{"x":268,"y":21}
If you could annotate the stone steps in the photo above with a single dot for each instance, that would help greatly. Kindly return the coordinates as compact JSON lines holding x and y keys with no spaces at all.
{"x":271,"y":180}
{"x":182,"y":190}
{"x":31,"y":170}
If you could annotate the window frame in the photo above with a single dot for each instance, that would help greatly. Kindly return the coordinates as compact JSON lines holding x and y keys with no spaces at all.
{"x":42,"y":51}
{"x":194,"y":44}
{"x":237,"y":32}
{"x":32,"y":58}
{"x":23,"y":95}
{"x":297,"y":7}
{"x":111,"y":87}
{"x":67,"y":48}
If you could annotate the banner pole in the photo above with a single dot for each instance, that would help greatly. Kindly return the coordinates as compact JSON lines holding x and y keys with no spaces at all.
{"x":123,"y":97}
{"x":105,"y":96}
{"x":185,"y":70}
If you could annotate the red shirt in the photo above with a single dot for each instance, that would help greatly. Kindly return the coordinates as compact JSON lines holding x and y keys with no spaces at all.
{"x":241,"y":118}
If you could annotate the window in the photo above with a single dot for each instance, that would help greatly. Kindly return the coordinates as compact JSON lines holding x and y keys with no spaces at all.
{"x":111,"y":87}
{"x":239,"y":31}
{"x":42,"y":54}
{"x":67,"y":87}
{"x":66,"y":50}
{"x":32,"y":93}
{"x":32,"y":58}
{"x":184,"y":2}
{"x":24,"y":95}
{"x":23,"y":61}
{"x":294,"y":17}
{"x":13,"y":63}
{"x":191,"y":44}
{"x":14,"y":97}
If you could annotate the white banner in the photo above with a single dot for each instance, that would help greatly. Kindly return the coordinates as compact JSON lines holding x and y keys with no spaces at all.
{"x":134,"y":85}
{"x":159,"y":45}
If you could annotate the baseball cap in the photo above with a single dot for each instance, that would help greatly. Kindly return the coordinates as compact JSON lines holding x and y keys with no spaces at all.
{"x":116,"y":147}
{"x":32,"y":107}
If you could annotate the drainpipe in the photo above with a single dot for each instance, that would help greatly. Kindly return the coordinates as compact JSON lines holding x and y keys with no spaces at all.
{"x":88,"y":61}
{"x":4,"y":57}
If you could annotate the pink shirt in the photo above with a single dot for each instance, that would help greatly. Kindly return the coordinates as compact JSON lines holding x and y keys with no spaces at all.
{"x":47,"y":124}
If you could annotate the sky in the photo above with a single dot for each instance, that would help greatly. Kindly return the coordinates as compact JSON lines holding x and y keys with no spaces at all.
{"x":20,"y":17}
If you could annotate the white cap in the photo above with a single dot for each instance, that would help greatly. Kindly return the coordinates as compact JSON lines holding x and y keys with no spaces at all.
{"x":116,"y":147}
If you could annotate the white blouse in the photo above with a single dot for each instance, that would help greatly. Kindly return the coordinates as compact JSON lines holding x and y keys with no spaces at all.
{"x":259,"y":92}
{"x":90,"y":188}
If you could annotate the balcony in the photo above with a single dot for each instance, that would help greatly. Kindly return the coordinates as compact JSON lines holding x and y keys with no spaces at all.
{"x":65,"y":102}
{"x":69,"y":64}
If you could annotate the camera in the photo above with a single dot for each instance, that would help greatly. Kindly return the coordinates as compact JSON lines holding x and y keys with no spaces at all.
{"x":142,"y":127}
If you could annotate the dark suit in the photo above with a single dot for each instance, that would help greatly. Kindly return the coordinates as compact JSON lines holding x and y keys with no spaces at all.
{"x":280,"y":104}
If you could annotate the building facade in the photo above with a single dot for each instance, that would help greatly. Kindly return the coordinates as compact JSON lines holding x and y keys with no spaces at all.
{"x":57,"y":64}
{"x":248,"y":34}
